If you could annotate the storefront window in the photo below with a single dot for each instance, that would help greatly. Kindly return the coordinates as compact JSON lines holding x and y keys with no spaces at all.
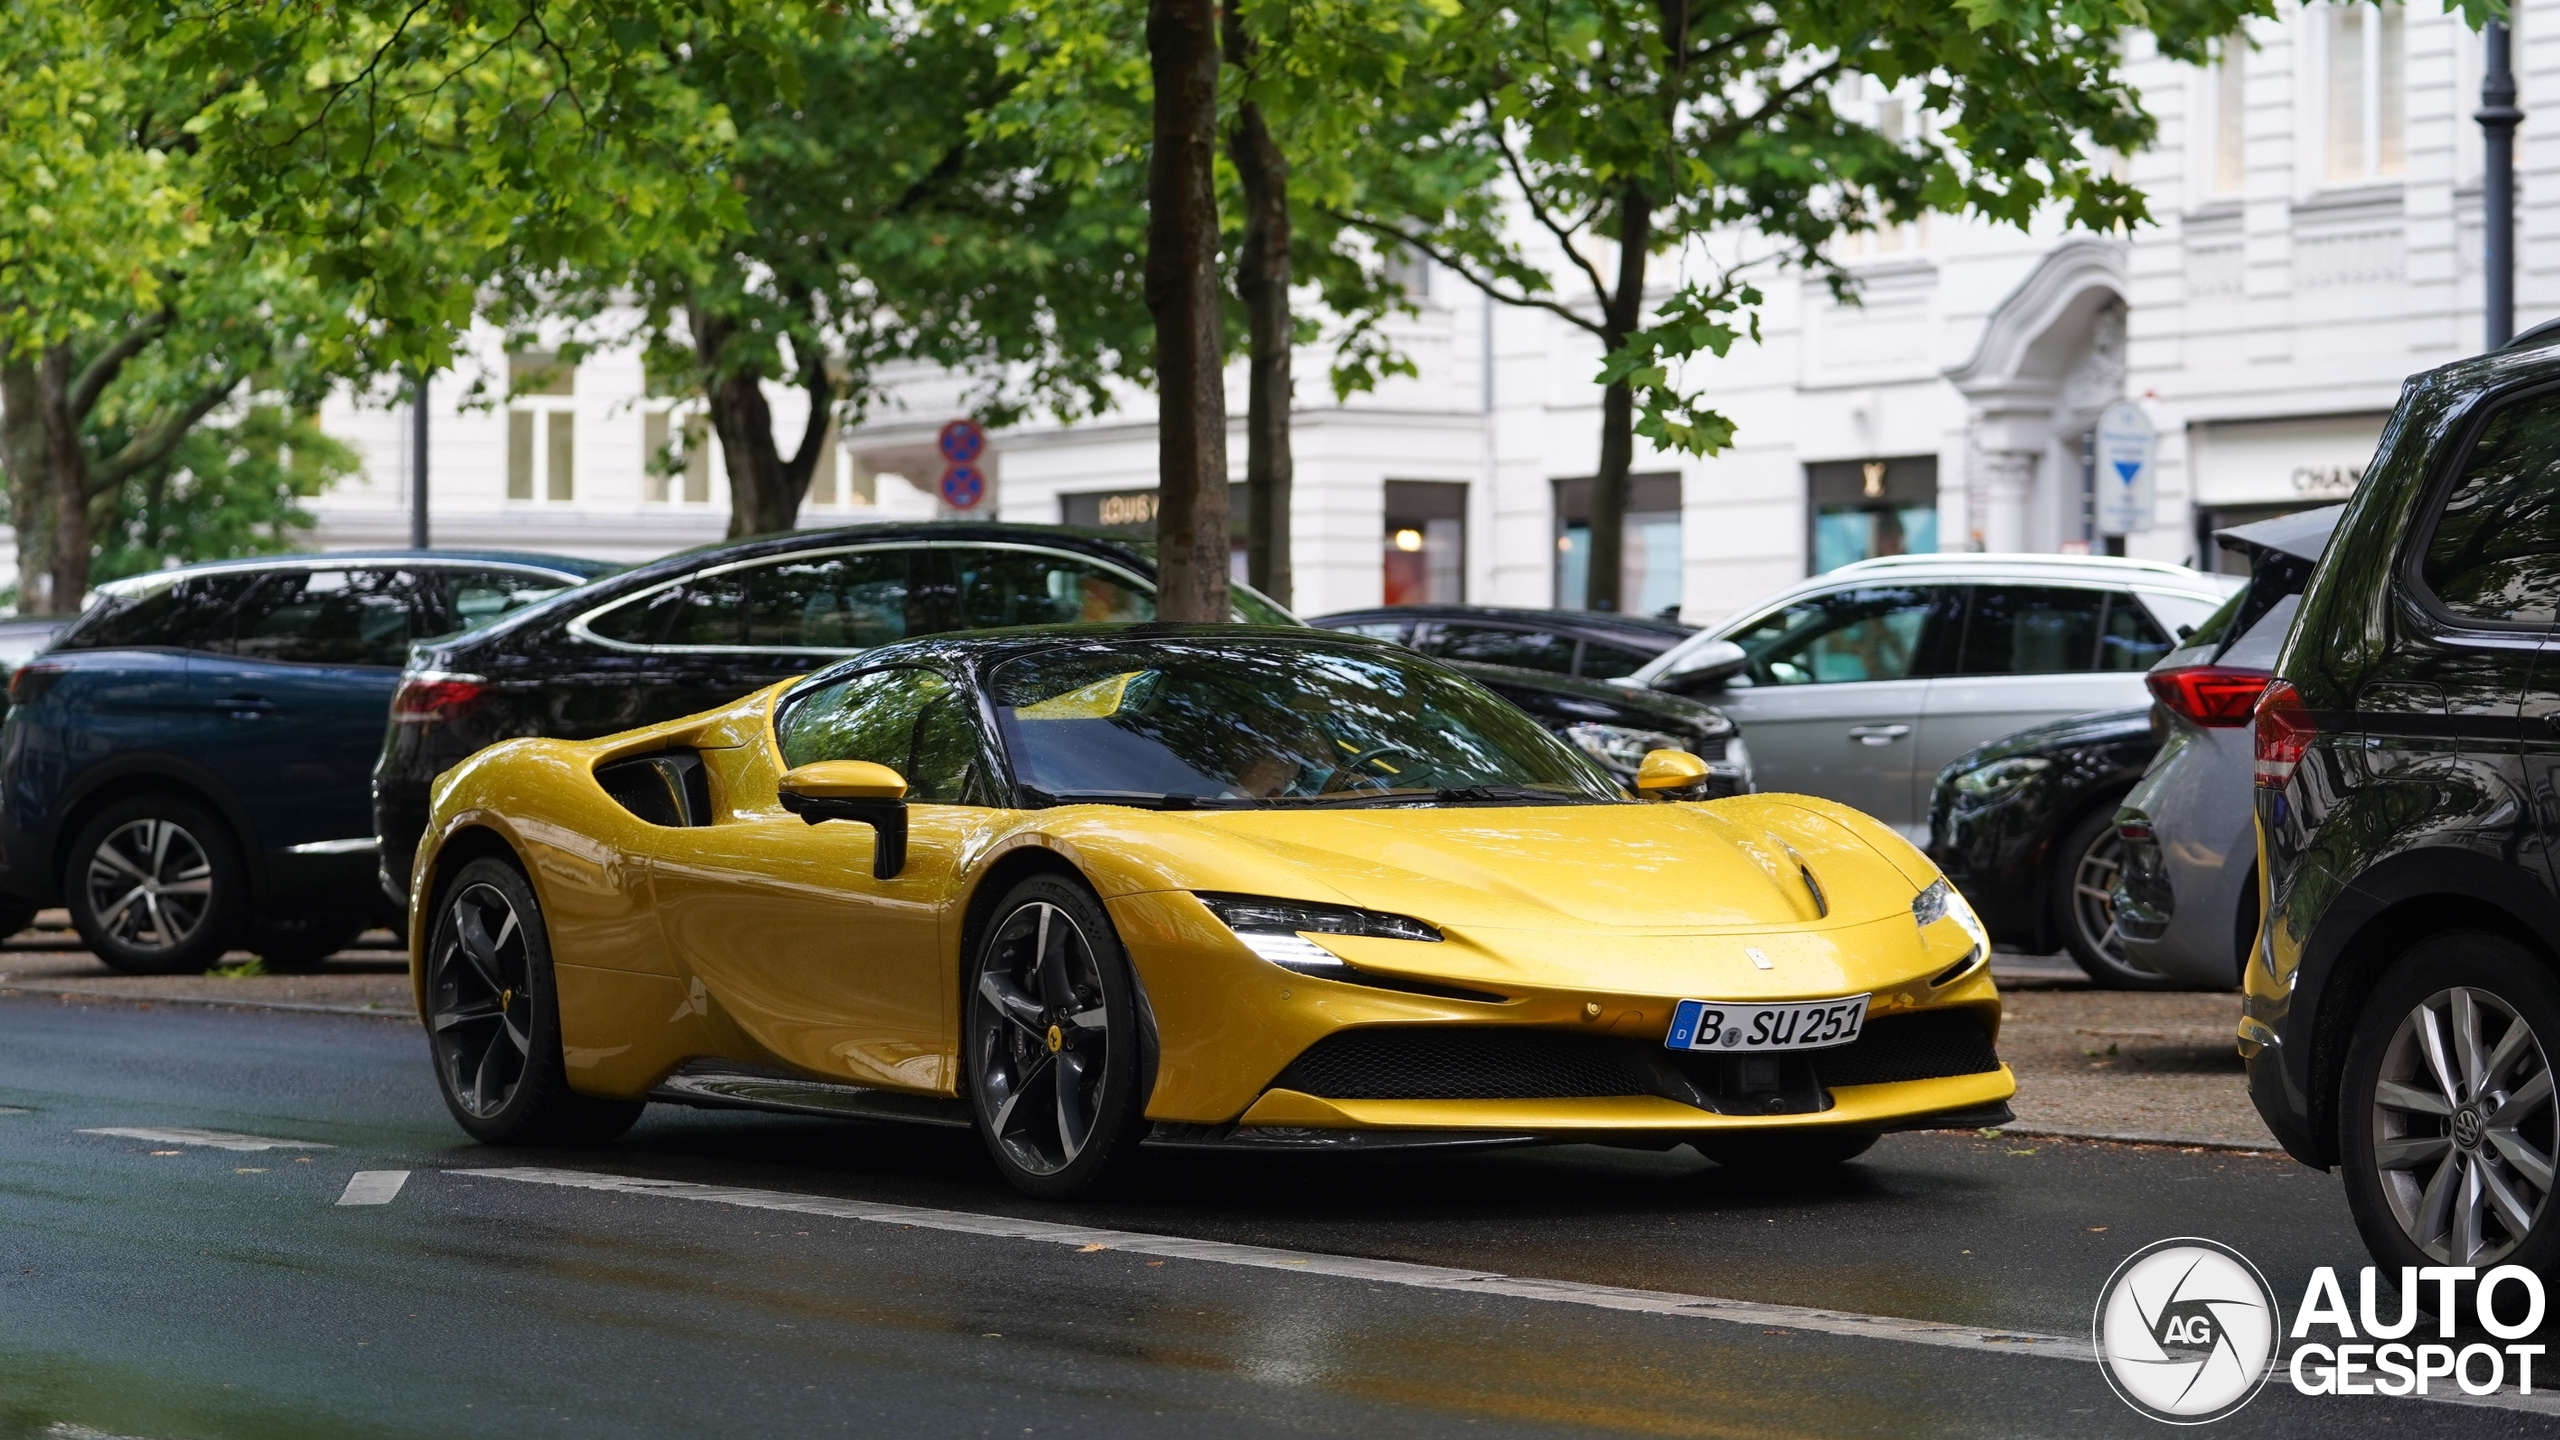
{"x":1426,"y":543}
{"x":1862,"y":509}
{"x":1649,"y":572}
{"x":1133,"y":513}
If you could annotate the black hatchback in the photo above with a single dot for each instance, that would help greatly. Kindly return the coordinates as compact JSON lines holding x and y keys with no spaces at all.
{"x":1588,"y":644}
{"x":2403,"y":996}
{"x":700,"y":628}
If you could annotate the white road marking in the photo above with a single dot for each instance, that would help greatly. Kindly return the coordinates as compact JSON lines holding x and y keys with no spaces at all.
{"x":12,"y":1110}
{"x":1398,"y":1272}
{"x":373,"y":1187}
{"x":218,"y":1139}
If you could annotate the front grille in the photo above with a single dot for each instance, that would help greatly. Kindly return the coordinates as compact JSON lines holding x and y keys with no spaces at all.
{"x":1894,"y":1048}
{"x":1447,"y":1062}
{"x":1453,"y":1063}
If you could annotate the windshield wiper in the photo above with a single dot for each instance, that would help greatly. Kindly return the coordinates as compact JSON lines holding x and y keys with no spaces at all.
{"x":1512,"y":795}
{"x":1136,"y":799}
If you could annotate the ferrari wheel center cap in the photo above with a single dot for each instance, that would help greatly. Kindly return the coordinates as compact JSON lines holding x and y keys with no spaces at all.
{"x":506,"y":998}
{"x":1057,"y":1039}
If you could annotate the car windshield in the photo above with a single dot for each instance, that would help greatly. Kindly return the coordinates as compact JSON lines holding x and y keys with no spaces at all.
{"x":1206,"y":722}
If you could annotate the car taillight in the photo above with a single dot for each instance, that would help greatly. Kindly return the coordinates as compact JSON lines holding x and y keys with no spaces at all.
{"x":2284,"y":732}
{"x":435,"y":696}
{"x":28,"y":685}
{"x":2214,"y":696}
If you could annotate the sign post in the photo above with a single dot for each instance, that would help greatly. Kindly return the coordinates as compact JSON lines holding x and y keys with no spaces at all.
{"x":964,"y":482}
{"x":2126,"y":442}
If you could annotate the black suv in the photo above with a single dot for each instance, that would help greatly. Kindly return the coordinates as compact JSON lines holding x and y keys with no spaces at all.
{"x":703,"y":627}
{"x":2403,"y":997}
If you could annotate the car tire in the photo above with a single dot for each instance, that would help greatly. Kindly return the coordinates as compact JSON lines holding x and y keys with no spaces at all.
{"x":493,"y":1018}
{"x":2081,"y":893}
{"x":155,"y":885}
{"x":298,"y":946}
{"x":2429,"y":1188}
{"x":1783,"y":1152}
{"x":1053,"y":1043}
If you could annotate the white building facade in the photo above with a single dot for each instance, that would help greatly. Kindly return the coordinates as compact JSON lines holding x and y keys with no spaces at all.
{"x":2317,"y":239}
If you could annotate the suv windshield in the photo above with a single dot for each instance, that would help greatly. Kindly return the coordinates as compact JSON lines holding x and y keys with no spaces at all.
{"x":1203,"y":722}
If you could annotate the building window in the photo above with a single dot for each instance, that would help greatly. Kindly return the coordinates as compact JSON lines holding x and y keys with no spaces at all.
{"x":1649,"y":580}
{"x":542,"y":426}
{"x":2230,"y":78}
{"x":1861,"y":509}
{"x":1133,"y":513}
{"x":1426,"y":543}
{"x":676,"y":470}
{"x":2367,"y":107}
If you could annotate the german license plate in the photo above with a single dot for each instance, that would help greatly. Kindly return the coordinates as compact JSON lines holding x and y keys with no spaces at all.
{"x":1743,"y":1028}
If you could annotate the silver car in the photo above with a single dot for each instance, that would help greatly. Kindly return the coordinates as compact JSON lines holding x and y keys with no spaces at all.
{"x":1861,"y":684}
{"x":2187,"y":898}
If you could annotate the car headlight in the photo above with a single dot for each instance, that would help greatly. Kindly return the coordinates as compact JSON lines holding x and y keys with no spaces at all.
{"x":1618,"y":747}
{"x":1941,"y":902}
{"x":1276,"y":930}
{"x":1990,"y":782}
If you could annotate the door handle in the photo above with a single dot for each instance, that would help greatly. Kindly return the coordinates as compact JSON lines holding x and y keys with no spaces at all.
{"x":242,"y":707}
{"x":1878,"y":734}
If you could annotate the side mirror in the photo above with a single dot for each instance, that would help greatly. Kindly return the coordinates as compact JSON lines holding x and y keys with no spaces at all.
{"x":1665,"y":773}
{"x":1705,"y":668}
{"x":854,"y":790}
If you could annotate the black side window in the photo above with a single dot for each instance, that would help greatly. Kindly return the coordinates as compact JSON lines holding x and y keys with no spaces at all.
{"x":914,"y":721}
{"x":640,"y":620}
{"x":473,"y":598}
{"x":1607,"y":662}
{"x":1501,"y":645}
{"x":189,"y":615}
{"x":1871,"y":633}
{"x":328,"y":617}
{"x":2031,"y":630}
{"x":998,"y":588}
{"x":2130,"y":639}
{"x":709,"y":610}
{"x":828,"y":602}
{"x":2494,"y":553}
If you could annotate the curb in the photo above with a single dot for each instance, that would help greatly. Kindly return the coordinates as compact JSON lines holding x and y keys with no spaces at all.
{"x":2116,"y":1137}
{"x":305,"y":1006}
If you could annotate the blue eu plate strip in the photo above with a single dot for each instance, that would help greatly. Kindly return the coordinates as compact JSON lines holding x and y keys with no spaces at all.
{"x":1684,"y":1025}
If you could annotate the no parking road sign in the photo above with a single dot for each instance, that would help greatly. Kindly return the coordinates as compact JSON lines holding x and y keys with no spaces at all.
{"x":964,"y":483}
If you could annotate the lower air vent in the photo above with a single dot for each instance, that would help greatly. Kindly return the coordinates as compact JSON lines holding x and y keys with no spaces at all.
{"x":668,"y":788}
{"x":1895,"y":1048}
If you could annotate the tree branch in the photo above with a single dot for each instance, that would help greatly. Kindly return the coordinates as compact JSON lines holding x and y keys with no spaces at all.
{"x":154,"y":444}
{"x":1484,"y":283}
{"x":103,"y":367}
{"x":1538,"y":209}
{"x":1729,"y":132}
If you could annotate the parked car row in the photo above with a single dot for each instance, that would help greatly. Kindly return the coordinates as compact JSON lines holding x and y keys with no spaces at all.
{"x":196,"y":749}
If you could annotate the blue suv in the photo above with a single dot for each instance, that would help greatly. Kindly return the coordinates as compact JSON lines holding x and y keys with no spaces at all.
{"x":189,"y":767}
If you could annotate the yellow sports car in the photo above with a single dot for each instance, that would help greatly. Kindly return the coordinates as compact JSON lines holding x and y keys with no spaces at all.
{"x":1089,"y":887}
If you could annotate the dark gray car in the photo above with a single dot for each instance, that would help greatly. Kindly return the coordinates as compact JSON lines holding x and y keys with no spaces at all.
{"x":2187,"y":897}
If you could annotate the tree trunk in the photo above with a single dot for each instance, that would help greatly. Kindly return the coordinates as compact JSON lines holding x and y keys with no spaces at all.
{"x":1262,"y":282}
{"x":1625,"y":315}
{"x":66,"y":577}
{"x":1182,"y":295}
{"x":26,"y":457}
{"x":765,"y":489}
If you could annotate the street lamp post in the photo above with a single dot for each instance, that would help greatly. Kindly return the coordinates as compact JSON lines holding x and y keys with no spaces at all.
{"x":2498,"y":116}
{"x":418,"y":460}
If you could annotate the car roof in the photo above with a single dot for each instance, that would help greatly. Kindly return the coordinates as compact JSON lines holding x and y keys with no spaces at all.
{"x":566,"y":566}
{"x":1648,"y":626}
{"x":1993,"y":565}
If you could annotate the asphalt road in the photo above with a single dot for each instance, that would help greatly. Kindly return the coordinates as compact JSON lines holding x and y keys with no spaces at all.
{"x":155,"y":1288}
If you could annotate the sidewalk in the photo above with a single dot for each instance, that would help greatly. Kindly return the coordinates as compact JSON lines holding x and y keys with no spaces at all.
{"x":371,"y":978}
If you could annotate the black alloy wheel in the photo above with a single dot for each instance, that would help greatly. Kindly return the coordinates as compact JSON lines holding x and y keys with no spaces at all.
{"x":1053,"y":1043}
{"x":2449,"y":1124}
{"x":2088,"y":867}
{"x":493,"y":1018}
{"x":155,"y":886}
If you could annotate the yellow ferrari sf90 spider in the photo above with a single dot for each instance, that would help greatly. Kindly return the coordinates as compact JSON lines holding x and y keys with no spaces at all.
{"x":1094,"y":887}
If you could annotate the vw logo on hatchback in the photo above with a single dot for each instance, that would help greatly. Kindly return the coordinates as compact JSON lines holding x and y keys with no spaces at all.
{"x":2186,"y":1330}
